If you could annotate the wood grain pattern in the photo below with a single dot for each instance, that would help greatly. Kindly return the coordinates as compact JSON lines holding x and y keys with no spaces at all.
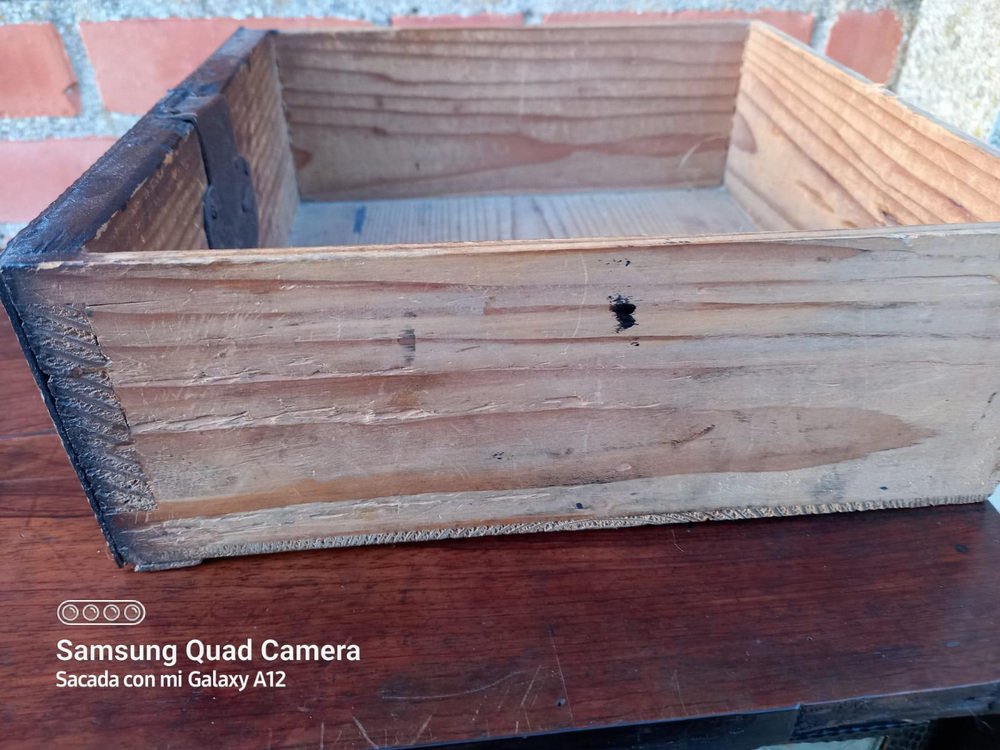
{"x":165,"y":211}
{"x":146,"y":192}
{"x":253,"y":94}
{"x":479,"y":218}
{"x":500,"y":639}
{"x":404,"y":112}
{"x":230,"y":402}
{"x":145,"y":195}
{"x":814,"y":146}
{"x":486,"y":639}
{"x":773,"y":376}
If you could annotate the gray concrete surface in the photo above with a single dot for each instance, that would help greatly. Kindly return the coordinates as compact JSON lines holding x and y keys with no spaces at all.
{"x":952,"y":65}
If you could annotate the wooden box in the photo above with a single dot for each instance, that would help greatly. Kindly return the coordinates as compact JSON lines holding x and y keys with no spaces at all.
{"x":381,"y":286}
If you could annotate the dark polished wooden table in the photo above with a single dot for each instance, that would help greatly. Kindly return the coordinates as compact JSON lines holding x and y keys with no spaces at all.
{"x":715,"y":635}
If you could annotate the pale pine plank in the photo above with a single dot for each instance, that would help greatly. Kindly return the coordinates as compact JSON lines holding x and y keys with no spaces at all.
{"x":519,"y":217}
{"x":815,"y":147}
{"x":407,"y":113}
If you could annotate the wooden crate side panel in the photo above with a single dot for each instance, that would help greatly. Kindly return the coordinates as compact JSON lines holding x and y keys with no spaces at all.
{"x":419,"y":112}
{"x":166,"y":211}
{"x":146,"y":192}
{"x":144,"y":195}
{"x":814,"y":147}
{"x":254,"y":98}
{"x":308,"y":399}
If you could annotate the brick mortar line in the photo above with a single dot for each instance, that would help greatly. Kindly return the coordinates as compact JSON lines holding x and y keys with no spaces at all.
{"x":93,"y":120}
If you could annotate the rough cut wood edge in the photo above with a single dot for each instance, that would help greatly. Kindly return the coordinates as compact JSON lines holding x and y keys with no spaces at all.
{"x":67,"y":354}
{"x":65,"y":357}
{"x":186,"y":542}
{"x":60,"y":346}
{"x":966,"y":187}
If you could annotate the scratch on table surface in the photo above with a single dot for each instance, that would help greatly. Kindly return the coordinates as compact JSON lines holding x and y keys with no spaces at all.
{"x":361,"y":728}
{"x":322,"y":733}
{"x":476,"y":714}
{"x":673,"y":533}
{"x":439,"y":696}
{"x":506,"y":692}
{"x":680,"y":694}
{"x":420,"y":731}
{"x":531,"y":684}
{"x":562,"y":676}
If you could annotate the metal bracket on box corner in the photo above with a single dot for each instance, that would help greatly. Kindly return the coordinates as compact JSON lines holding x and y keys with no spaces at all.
{"x":230,"y":203}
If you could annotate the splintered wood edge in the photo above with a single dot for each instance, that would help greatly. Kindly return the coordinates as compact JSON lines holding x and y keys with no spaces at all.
{"x":64,"y":355}
{"x":156,"y":548}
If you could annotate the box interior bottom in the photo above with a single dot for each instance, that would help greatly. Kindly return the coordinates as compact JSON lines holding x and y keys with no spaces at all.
{"x":525,"y":216}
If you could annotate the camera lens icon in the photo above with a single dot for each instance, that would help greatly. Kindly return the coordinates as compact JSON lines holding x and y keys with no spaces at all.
{"x":134,"y":613}
{"x":68,"y":612}
{"x":101,"y":612}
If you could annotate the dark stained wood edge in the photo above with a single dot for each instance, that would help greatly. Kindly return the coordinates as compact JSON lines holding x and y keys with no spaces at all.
{"x":41,"y":381}
{"x":184,"y":542}
{"x":58,"y":342}
{"x":78,"y":214}
{"x":747,"y":731}
{"x":871,"y":715}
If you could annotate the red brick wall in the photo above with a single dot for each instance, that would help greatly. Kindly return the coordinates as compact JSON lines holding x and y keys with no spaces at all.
{"x":867,"y":42}
{"x":35,"y":74}
{"x":132,"y":62}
